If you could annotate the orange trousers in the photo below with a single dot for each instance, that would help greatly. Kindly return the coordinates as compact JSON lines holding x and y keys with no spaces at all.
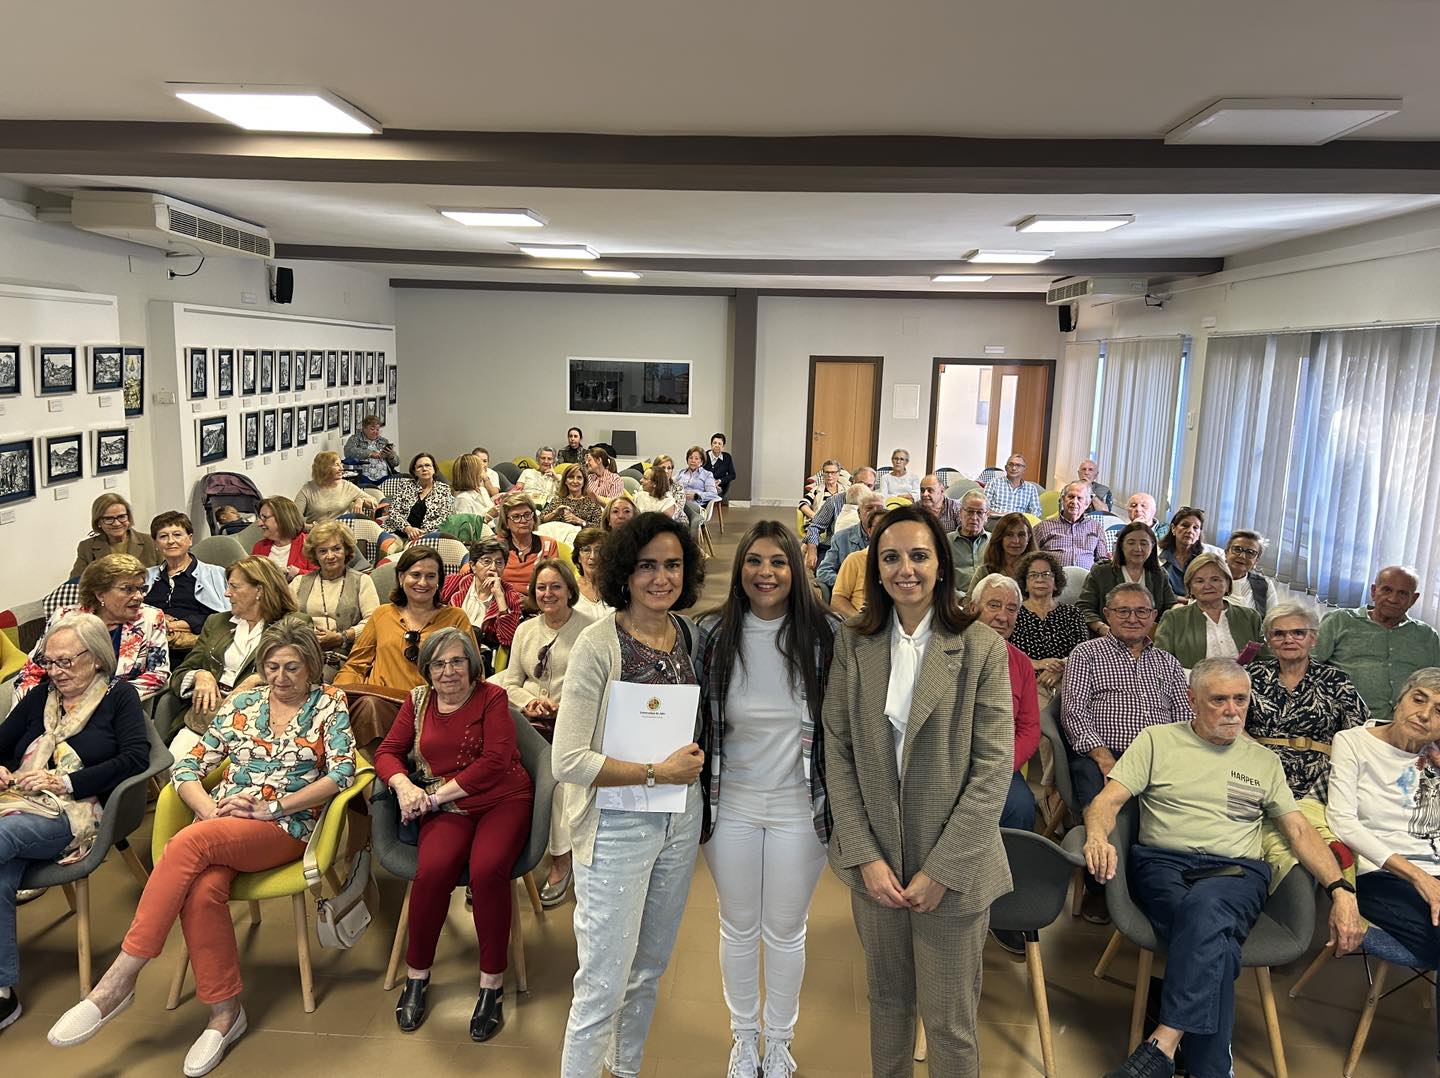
{"x":192,"y":882}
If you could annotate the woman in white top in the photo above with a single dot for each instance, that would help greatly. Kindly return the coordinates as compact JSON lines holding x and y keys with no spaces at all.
{"x":327,"y":495}
{"x":468,"y":482}
{"x":899,"y":480}
{"x":654,"y":495}
{"x":586,"y":556}
{"x":763,"y":658}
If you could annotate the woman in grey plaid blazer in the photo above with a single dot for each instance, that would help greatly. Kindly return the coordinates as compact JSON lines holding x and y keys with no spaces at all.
{"x":919,"y":746}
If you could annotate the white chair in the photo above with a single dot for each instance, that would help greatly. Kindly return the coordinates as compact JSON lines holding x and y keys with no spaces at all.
{"x":1075,"y":578}
{"x":559,"y":531}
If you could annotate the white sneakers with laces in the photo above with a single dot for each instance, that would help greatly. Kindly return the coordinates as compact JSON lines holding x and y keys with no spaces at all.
{"x":745,"y":1056}
{"x":779,"y":1063}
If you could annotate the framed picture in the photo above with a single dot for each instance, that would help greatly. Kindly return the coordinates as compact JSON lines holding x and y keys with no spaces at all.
{"x":198,"y":360}
{"x":380,"y":409}
{"x":282,"y":371}
{"x":267,"y":372}
{"x":107,"y":368}
{"x":224,"y":372}
{"x":267,"y":431}
{"x":380,"y":367}
{"x":287,"y":428}
{"x":347,"y":412}
{"x":344,"y":368}
{"x":112,"y":450}
{"x":248,"y":361}
{"x":317,"y":419}
{"x":55,"y":369}
{"x":393,"y":389}
{"x":332,"y":415}
{"x":134,"y":387}
{"x":64,"y":458}
{"x":302,"y":425}
{"x":252,"y":434}
{"x":317,"y":366}
{"x":17,"y":470}
{"x":629,"y":386}
{"x":332,"y":369}
{"x":302,"y":364}
{"x":9,"y":370}
{"x":212,"y":438}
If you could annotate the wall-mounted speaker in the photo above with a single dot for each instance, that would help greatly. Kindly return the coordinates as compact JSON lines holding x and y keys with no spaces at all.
{"x":284,"y":289}
{"x":1067,"y":317}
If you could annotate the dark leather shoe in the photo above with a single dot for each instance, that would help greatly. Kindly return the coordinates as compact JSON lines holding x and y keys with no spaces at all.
{"x":410,"y":1011}
{"x":489,"y":1016}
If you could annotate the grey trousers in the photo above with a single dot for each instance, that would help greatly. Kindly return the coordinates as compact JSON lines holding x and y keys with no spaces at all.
{"x":943,"y":956}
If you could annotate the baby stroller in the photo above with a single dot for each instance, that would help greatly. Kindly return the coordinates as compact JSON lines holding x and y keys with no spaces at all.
{"x":229,"y":488}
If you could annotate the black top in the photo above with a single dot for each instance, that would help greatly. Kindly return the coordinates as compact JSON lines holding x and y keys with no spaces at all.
{"x":721,"y":467}
{"x":569,"y":456}
{"x":175,"y":595}
{"x":417,"y":514}
{"x":113,"y":745}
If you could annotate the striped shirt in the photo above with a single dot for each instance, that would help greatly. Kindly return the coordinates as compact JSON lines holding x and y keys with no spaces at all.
{"x":1109,"y":695}
{"x":1081,"y":542}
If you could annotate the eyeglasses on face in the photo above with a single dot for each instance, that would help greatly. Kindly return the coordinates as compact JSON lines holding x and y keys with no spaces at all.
{"x":60,"y":662}
{"x":1043,"y":575}
{"x":1249,"y":553}
{"x":1290,"y":634}
{"x":116,"y":518}
{"x":441,"y":666}
{"x":1131,"y":613}
{"x":129,"y":589}
{"x":412,"y":646}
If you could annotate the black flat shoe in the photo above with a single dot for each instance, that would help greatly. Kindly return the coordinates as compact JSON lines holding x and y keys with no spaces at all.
{"x":489,"y":1016}
{"x":410,"y":1011}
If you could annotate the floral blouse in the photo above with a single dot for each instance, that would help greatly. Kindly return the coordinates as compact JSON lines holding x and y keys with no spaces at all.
{"x":1324,"y":703}
{"x":143,"y":658}
{"x":318,"y":744}
{"x":1052,"y":637}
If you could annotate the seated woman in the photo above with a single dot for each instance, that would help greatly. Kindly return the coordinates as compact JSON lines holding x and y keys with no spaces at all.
{"x":522,"y":547}
{"x":491,"y":603}
{"x":1046,"y":629}
{"x":473,"y":486}
{"x":328,"y":495}
{"x":1012,"y":538}
{"x":654,"y":495}
{"x":586,"y":556}
{"x":284,"y":537}
{"x":1251,"y":587}
{"x":573,"y":505}
{"x":604,"y":483}
{"x":533,"y":680}
{"x":695,"y":487}
{"x":1209,"y":626}
{"x":1184,"y":540}
{"x":421,"y":503}
{"x":71,"y":743}
{"x":473,"y":800}
{"x":224,"y":657}
{"x":373,"y":450}
{"x":113,"y":589}
{"x":184,"y":588}
{"x":338,"y":599}
{"x":618,"y":510}
{"x":111,"y":533}
{"x":289,"y":751}
{"x":1134,"y":563}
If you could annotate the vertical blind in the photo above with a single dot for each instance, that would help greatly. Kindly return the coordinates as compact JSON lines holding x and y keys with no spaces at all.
{"x":1139,"y":394}
{"x":1076,"y":394}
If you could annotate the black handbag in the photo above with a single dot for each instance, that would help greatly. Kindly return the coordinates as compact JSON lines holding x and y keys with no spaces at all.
{"x":407,"y":831}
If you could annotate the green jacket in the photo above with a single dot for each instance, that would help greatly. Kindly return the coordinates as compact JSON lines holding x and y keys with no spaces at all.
{"x":1182,"y":631}
{"x":209,"y":650}
{"x":1107,"y":575}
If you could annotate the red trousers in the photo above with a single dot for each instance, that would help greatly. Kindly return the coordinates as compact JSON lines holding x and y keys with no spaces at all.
{"x":192,"y":881}
{"x":489,"y":843}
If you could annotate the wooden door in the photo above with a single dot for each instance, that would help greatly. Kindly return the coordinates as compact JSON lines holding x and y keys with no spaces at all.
{"x":844,"y":420}
{"x":1019,"y":413}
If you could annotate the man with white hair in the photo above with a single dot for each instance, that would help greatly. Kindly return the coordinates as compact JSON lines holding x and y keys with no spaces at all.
{"x":1072,"y":536}
{"x":1141,"y":507}
{"x":1101,"y":499}
{"x":968,"y":540}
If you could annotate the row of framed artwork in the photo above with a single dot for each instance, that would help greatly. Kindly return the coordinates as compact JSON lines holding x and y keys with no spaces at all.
{"x":109,"y":368}
{"x":270,"y":429}
{"x":63,"y":458}
{"x":267,"y":371}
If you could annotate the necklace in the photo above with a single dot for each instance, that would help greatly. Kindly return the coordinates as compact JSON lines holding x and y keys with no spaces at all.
{"x":654,"y":643}
{"x":325,"y":605}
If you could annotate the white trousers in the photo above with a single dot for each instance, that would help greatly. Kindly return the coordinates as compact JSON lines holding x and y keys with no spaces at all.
{"x":765,"y":873}
{"x":559,"y":822}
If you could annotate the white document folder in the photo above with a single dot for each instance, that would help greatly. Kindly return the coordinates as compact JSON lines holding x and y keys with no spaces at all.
{"x":645,"y":724}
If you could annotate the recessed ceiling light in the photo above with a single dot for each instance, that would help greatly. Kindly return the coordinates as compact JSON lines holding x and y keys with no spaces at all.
{"x":960,"y":278}
{"x":1024,"y":257}
{"x":1280,"y":121}
{"x":307,"y":109}
{"x":516,"y":218}
{"x":557,"y":250}
{"x":613,"y":275}
{"x":1070,"y":222}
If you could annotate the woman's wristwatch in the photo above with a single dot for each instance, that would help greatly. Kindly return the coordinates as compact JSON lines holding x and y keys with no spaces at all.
{"x":275,"y":810}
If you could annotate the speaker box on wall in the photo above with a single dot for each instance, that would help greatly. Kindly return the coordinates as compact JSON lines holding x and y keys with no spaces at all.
{"x":1067,"y":317}
{"x":284,"y":285}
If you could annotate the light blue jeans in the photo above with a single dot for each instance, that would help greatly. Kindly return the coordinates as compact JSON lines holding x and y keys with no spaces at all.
{"x":628,"y":905}
{"x":23,"y":838}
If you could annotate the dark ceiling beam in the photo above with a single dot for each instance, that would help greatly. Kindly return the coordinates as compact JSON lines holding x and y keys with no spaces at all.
{"x":439,"y":284}
{"x":890,"y":163}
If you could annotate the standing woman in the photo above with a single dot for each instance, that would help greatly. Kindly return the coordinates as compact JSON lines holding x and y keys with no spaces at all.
{"x":764,"y":657}
{"x":632,"y":869}
{"x":919,"y":749}
{"x":586,"y":557}
{"x":111,"y":533}
{"x":283,"y":537}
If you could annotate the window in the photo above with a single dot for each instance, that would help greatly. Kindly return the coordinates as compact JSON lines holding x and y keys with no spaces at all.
{"x":1141,"y":396}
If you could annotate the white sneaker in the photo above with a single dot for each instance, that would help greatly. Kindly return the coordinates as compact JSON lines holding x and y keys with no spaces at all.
{"x":745,"y":1057}
{"x":779,"y":1063}
{"x":210,"y":1047}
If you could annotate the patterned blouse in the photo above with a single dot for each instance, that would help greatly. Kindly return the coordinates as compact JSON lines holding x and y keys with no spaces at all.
{"x":143,"y":658}
{"x":606,"y":484}
{"x":317,"y":745}
{"x":584,"y":507}
{"x":1324,"y":703}
{"x":644,"y":665}
{"x":439,"y":504}
{"x":1053,"y":636}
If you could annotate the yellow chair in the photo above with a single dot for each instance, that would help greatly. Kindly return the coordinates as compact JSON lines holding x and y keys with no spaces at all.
{"x":561,"y":469}
{"x":1049,"y":503}
{"x":523,"y":462}
{"x":1032,"y":518}
{"x":446,"y":468}
{"x":283,"y":881}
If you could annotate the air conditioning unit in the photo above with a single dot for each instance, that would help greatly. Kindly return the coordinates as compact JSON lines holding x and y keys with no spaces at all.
{"x":1069,"y":289}
{"x":161,"y":221}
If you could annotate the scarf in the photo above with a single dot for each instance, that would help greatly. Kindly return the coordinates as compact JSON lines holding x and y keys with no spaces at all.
{"x":52,"y":752}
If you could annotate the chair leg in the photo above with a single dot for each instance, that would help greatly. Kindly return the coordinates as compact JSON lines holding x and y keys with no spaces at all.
{"x":254,"y":912}
{"x":1111,"y":950}
{"x":1036,"y":968}
{"x":1142,"y":990}
{"x":922,"y":1047}
{"x":69,"y":889}
{"x":534,"y":893}
{"x":302,"y":946}
{"x":1367,"y":1017}
{"x":137,"y":866}
{"x":1326,"y":953}
{"x":1077,"y":892}
{"x":392,"y":971}
{"x":177,"y":982}
{"x":82,"y":933}
{"x":517,"y":940}
{"x":1272,"y":1020}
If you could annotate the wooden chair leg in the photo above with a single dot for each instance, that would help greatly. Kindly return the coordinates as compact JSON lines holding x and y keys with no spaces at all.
{"x":392,"y":971}
{"x":69,"y":889}
{"x":1111,"y":950}
{"x":82,"y":933}
{"x":1326,"y":953}
{"x":922,"y":1047}
{"x":1036,"y":968}
{"x":1367,"y":1017}
{"x":517,"y":940}
{"x":1272,"y":1020}
{"x":1142,"y":990}
{"x":1077,"y":892}
{"x":302,"y":946}
{"x":254,"y":912}
{"x":534,"y":893}
{"x":136,"y":866}
{"x":177,"y":982}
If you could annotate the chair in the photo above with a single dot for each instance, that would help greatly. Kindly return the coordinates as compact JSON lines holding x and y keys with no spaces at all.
{"x":444,"y":467}
{"x":709,"y":514}
{"x":123,"y":814}
{"x":1075,"y":578}
{"x":508,"y":471}
{"x":67,"y":594}
{"x":221,"y":550}
{"x":1049,"y":503}
{"x":248,"y":536}
{"x":366,"y":534}
{"x":523,"y":462}
{"x":988,"y":474}
{"x":453,"y":553}
{"x":400,"y":859}
{"x":24,"y":624}
{"x":1060,"y":796}
{"x":283,"y":881}
{"x":391,"y":486}
{"x":629,"y":482}
{"x":383,"y":577}
{"x":960,"y":487}
{"x":948,"y":475}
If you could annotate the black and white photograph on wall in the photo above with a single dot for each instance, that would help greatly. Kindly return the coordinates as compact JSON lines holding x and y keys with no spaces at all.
{"x":332,"y":372}
{"x":252,"y":434}
{"x":302,"y":365}
{"x":267,"y":372}
{"x":344,"y":368}
{"x":55,"y":365}
{"x":9,"y":370}
{"x":368,"y":364}
{"x":380,"y":410}
{"x":287,"y":428}
{"x":106,"y":369}
{"x":332,"y":415}
{"x":198,"y":361}
{"x":393,"y":387}
{"x":347,"y":410}
{"x":17,"y":470}
{"x":248,"y":361}
{"x":317,"y":419}
{"x":64,"y":455}
{"x":282,"y":371}
{"x":302,"y":425}
{"x":317,"y":366}
{"x":224,"y":372}
{"x":380,"y":367}
{"x":134,"y":387}
{"x":112,"y":450}
{"x":212,"y":438}
{"x":267,"y":431}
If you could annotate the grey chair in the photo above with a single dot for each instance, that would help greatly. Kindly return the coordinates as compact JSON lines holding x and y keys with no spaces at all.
{"x":124,"y":812}
{"x":960,"y":487}
{"x":383,"y":577}
{"x":1062,"y":790}
{"x":221,"y":550}
{"x":509,"y":469}
{"x":1075,"y":578}
{"x":248,"y":536}
{"x":400,"y":859}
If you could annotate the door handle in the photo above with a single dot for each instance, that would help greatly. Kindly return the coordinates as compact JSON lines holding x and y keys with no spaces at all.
{"x":821,"y":434}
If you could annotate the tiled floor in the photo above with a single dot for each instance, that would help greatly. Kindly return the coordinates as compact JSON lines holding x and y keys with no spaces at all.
{"x":354,"y":1028}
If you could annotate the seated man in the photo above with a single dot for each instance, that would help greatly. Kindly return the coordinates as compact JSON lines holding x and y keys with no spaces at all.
{"x":1196,"y":871}
{"x":1141,"y":507}
{"x":1010,"y":493}
{"x":574,"y":448}
{"x":823,"y":523}
{"x":1379,"y":646}
{"x":968,"y":540}
{"x":1114,"y":687}
{"x":541,"y":483}
{"x":1101,"y":500}
{"x":832,"y":482}
{"x":1071,"y":535}
{"x":933,"y":499}
{"x":852,"y":539}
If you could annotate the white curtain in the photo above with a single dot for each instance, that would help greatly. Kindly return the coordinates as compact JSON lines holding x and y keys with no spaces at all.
{"x":1139,"y":393}
{"x":1077,"y":381}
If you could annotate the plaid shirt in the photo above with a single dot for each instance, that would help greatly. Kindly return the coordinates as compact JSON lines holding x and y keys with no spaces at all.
{"x":1109,"y":696}
{"x":949,"y":515}
{"x":824,"y":519}
{"x":1002,"y":498}
{"x":1081,"y":543}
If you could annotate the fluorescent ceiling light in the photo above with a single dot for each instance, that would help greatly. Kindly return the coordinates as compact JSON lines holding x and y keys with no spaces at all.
{"x":308,"y":109}
{"x":959,"y":278}
{"x":516,"y":218}
{"x":1019,"y":257}
{"x":557,"y":250}
{"x":613,"y":275}
{"x":1280,"y":121}
{"x":1069,"y":222}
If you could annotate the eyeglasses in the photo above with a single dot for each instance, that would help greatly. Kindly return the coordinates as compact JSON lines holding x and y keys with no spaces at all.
{"x":129,"y":589}
{"x":1046,"y":575}
{"x":543,"y":660}
{"x":412,"y":646}
{"x":1131,"y":613}
{"x":441,"y":666}
{"x":521,"y":518}
{"x":64,"y":662}
{"x":120,"y":519}
{"x":1249,"y":553}
{"x":1290,"y":634}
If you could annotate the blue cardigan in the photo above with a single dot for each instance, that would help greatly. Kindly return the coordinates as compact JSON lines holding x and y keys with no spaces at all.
{"x":209,"y":585}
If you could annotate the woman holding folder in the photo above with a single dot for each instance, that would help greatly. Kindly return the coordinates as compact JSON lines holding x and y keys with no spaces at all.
{"x":632,"y":866}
